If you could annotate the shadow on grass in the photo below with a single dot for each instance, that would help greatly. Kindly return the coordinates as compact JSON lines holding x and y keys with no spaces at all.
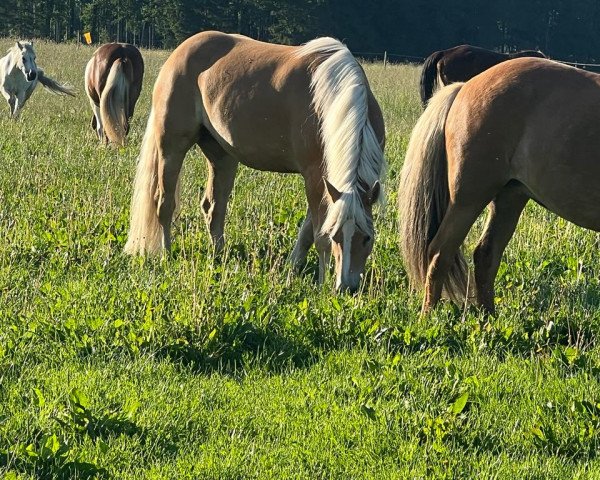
{"x":51,"y":468}
{"x":55,"y":456}
{"x":237,"y":345}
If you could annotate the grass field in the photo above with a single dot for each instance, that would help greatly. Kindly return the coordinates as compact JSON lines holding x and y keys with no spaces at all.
{"x":237,"y":368}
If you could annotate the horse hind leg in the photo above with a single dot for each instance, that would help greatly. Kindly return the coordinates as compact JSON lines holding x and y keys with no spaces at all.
{"x":222,"y":169}
{"x":97,"y":121}
{"x":504,"y":213}
{"x":170,"y":159}
{"x":444,"y":248}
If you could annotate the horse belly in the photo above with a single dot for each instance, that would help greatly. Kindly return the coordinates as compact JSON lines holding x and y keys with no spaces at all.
{"x":572,"y":195}
{"x":563,"y":175}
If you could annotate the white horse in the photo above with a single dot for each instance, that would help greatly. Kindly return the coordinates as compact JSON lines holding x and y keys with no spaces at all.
{"x":19,"y":75}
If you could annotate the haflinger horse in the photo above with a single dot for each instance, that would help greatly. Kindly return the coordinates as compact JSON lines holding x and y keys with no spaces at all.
{"x":306,"y":110}
{"x":461,"y":63}
{"x":19,"y":75}
{"x":113,"y":82}
{"x":525,"y":129}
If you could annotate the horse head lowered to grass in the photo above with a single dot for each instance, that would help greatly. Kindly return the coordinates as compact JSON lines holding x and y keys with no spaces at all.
{"x":19,"y":75}
{"x":306,"y":110}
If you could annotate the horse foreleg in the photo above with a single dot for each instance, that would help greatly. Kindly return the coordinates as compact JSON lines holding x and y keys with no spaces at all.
{"x":317,"y":208}
{"x":12,"y":100}
{"x":303,"y":244}
{"x":504,"y":213}
{"x":324,"y":251}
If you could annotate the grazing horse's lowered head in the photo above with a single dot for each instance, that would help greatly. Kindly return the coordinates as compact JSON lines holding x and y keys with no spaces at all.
{"x":349,"y":226}
{"x":19,"y":75}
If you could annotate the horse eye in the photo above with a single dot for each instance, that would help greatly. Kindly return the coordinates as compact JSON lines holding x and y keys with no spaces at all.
{"x":366,"y":241}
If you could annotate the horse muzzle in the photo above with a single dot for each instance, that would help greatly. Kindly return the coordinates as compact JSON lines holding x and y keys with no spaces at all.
{"x":350,"y":284}
{"x":31,"y":75}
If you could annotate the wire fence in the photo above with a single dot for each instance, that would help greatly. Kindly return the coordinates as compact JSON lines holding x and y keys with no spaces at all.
{"x":394,"y":58}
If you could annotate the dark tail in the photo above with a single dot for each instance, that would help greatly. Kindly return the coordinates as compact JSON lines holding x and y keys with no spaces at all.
{"x":53,"y":85}
{"x":429,"y":77}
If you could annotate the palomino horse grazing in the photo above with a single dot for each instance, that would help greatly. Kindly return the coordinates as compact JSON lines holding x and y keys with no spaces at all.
{"x":19,"y":75}
{"x":524,"y":129}
{"x":113,"y":82}
{"x":279,"y":108}
{"x":459,"y":64}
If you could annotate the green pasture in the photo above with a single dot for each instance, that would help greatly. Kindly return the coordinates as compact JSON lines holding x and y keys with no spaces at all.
{"x":235,"y":367}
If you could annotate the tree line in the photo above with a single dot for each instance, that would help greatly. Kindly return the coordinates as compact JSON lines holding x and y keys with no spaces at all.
{"x":560,"y":28}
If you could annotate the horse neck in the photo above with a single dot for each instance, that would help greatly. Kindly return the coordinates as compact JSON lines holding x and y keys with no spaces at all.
{"x":10,"y":60}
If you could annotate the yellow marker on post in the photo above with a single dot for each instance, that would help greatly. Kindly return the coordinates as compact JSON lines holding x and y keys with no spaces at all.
{"x":88,"y":38}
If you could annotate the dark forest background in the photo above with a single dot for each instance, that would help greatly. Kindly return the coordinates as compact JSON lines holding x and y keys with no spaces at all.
{"x":569,"y":30}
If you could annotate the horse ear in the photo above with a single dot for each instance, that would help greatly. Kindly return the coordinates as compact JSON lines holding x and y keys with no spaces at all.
{"x":374,"y":192}
{"x":332,"y":191}
{"x":19,"y":46}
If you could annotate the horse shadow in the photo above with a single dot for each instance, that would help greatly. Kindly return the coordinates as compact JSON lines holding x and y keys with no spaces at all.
{"x":233,"y":347}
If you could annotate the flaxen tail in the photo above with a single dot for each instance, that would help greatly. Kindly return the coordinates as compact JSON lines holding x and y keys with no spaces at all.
{"x":53,"y":85}
{"x":114,"y":102}
{"x":423,"y":194}
{"x":429,"y":76}
{"x":145,"y":231}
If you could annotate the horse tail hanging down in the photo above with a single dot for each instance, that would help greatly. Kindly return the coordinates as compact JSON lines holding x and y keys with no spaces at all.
{"x":53,"y":85}
{"x":423,"y":194}
{"x":353,"y":155}
{"x":114,"y":101}
{"x":429,"y":76}
{"x":145,"y":232}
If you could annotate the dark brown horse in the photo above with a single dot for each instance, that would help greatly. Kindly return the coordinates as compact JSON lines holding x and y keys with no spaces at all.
{"x":113,"y":82}
{"x":524,"y":129}
{"x":459,"y":64}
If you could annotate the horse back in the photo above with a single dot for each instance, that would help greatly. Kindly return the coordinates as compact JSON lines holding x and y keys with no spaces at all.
{"x":254,"y":98}
{"x":533,"y":121}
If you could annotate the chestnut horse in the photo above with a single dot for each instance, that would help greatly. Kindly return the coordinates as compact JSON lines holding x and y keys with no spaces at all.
{"x":525,"y":129}
{"x":459,"y":64}
{"x":306,"y":110}
{"x":113,"y":82}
